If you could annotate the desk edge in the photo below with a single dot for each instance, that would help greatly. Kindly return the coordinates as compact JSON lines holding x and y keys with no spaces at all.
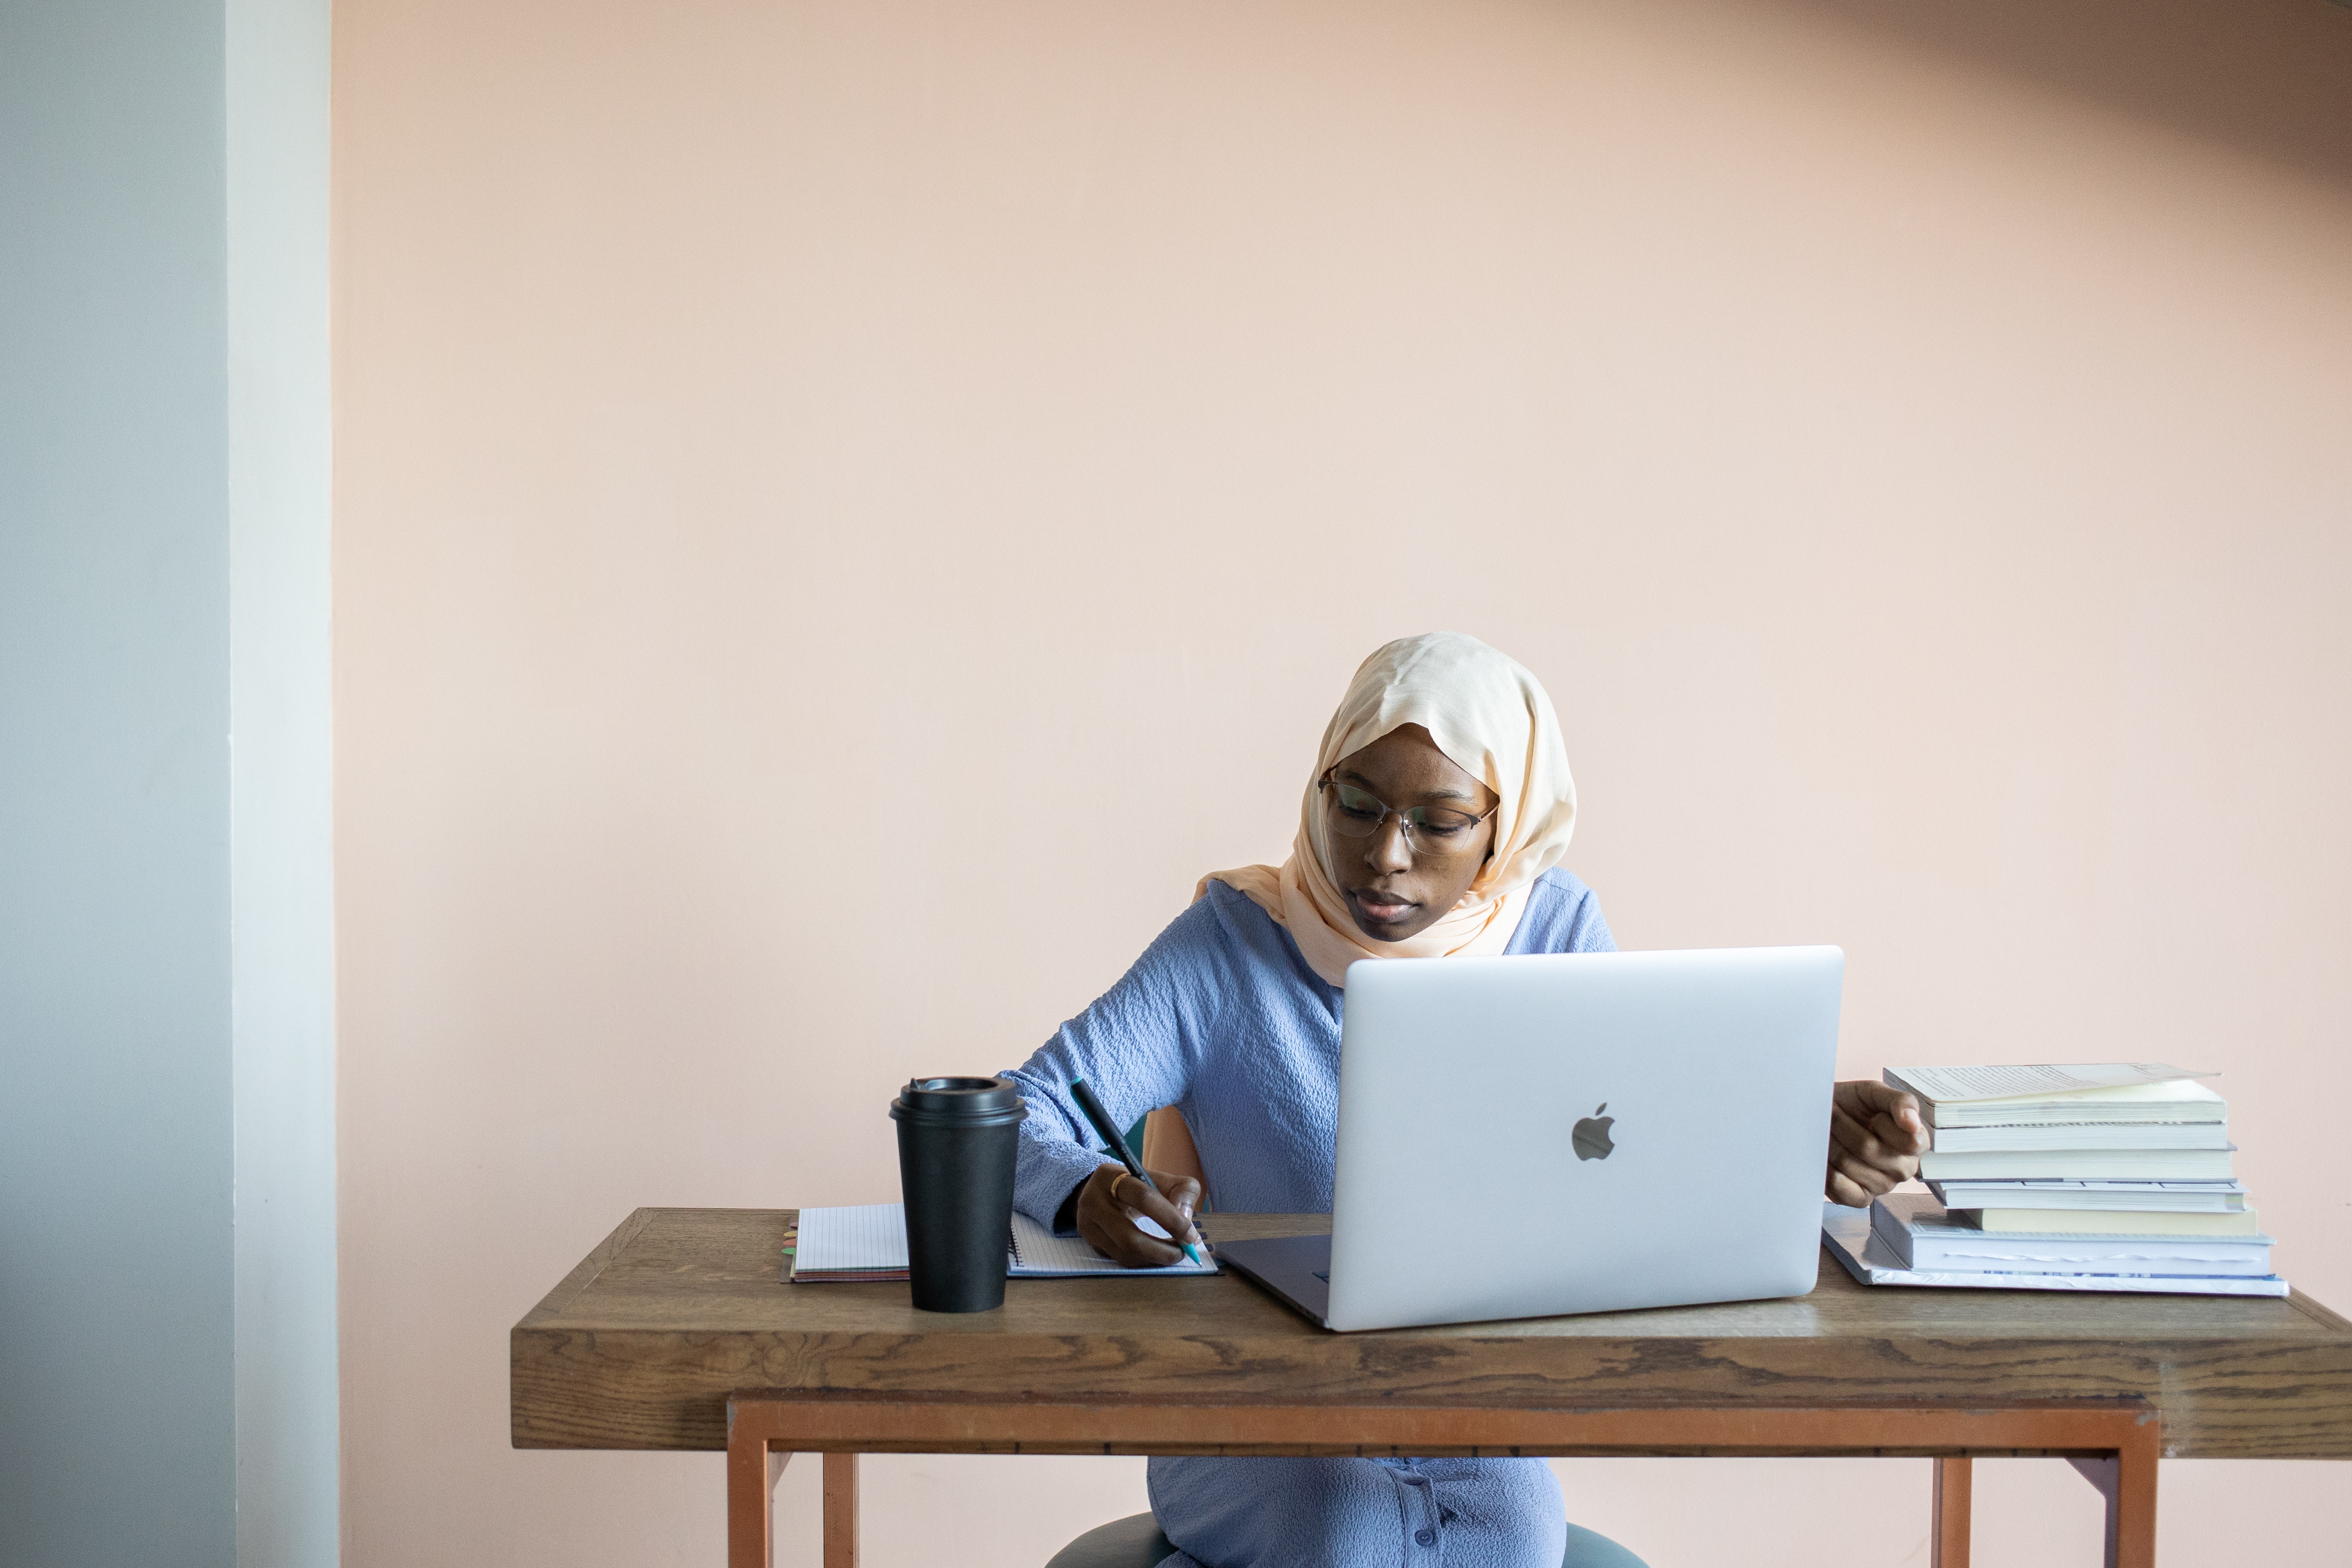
{"x":2319,"y":1312}
{"x":600,"y":1258}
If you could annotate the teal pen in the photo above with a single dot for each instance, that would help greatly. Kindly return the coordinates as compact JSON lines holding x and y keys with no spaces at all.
{"x":1111,"y":1134}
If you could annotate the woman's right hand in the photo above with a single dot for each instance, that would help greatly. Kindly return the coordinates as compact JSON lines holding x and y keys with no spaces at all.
{"x":1108,"y":1202}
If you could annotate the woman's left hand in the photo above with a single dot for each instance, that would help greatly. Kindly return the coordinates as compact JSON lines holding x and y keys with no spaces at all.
{"x":1877,"y":1137}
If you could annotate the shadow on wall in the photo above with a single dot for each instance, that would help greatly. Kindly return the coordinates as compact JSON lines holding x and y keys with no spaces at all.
{"x":2263,"y":78}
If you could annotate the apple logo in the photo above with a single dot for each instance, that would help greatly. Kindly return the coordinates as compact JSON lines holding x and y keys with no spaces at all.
{"x":1591,"y":1135}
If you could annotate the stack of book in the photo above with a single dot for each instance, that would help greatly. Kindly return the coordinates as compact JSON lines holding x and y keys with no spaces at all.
{"x":2113,"y":1176}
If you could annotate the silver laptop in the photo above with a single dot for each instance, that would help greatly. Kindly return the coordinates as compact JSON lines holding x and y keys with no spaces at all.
{"x":1578,"y":1132}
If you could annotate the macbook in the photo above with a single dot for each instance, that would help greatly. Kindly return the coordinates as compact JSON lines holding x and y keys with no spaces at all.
{"x":1573,"y":1132}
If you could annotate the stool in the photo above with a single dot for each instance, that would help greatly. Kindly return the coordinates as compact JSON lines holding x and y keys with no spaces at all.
{"x":1135,"y":1541}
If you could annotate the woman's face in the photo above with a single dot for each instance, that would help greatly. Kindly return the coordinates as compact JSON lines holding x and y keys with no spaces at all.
{"x":1395,"y":886}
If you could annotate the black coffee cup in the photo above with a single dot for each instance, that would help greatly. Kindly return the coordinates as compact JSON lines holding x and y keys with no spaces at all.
{"x":956,"y":1144}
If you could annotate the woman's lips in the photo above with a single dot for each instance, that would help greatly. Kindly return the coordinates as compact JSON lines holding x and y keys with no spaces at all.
{"x":1381,"y":910}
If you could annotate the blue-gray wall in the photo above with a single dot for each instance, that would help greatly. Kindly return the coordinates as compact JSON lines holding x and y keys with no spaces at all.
{"x":118,"y":1440}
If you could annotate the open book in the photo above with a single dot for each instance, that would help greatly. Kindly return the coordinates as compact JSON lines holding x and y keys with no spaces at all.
{"x":2076,"y":1094}
{"x":868,"y":1241}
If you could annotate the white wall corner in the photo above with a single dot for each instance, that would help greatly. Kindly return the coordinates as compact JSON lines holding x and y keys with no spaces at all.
{"x":281,"y":883}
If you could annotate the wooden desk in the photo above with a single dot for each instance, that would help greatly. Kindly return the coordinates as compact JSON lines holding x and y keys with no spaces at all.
{"x":676,"y":1333}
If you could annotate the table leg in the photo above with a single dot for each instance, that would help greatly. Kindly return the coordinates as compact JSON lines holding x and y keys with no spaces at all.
{"x":841,"y":1510}
{"x":1947,"y":1537}
{"x":752,"y":1472}
{"x":2127,"y":1481}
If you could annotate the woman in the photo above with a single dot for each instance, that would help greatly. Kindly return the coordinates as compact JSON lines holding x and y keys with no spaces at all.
{"x":1432,"y":828}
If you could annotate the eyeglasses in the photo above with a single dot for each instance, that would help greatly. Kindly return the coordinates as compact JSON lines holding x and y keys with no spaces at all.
{"x":1354,"y":813}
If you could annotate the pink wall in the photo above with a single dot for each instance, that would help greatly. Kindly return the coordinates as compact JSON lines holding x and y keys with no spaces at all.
{"x":844,"y":512}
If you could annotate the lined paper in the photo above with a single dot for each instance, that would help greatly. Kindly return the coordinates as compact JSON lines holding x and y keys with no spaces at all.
{"x":865,"y":1238}
{"x":1039,"y":1254}
{"x":868,"y":1241}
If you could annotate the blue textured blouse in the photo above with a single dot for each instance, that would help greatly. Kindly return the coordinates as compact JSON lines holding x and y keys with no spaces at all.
{"x":1222,"y":1019}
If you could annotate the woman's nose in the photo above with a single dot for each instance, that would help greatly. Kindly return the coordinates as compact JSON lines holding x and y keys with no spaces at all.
{"x":1389,"y":849}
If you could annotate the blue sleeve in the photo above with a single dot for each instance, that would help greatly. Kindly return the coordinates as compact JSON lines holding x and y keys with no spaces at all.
{"x":1137,"y":1046}
{"x":1564,"y":917}
{"x":1586,"y":931}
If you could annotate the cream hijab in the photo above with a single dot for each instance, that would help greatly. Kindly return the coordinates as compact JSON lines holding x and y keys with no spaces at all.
{"x":1493,"y":720}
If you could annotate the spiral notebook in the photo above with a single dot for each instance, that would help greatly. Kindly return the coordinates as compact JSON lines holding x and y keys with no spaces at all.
{"x":868,"y":1241}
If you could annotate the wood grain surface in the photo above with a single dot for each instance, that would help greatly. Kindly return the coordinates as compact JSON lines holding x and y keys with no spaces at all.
{"x":640,"y":1346}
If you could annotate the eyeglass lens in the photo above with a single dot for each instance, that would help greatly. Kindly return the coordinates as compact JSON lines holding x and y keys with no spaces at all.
{"x":1356,"y":813}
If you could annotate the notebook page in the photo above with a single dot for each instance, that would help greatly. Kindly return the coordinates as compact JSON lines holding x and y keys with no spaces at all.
{"x":1038,"y":1253}
{"x":866,"y":1235}
{"x":873,"y":1238}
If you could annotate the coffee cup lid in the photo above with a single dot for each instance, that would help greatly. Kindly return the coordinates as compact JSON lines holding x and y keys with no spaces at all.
{"x":961,"y":1095}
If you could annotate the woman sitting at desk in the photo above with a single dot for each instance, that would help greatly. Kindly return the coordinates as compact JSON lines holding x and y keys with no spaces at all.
{"x":1433,"y":827}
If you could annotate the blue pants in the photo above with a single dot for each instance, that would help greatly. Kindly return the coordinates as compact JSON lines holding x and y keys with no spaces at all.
{"x":1370,"y":1514}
